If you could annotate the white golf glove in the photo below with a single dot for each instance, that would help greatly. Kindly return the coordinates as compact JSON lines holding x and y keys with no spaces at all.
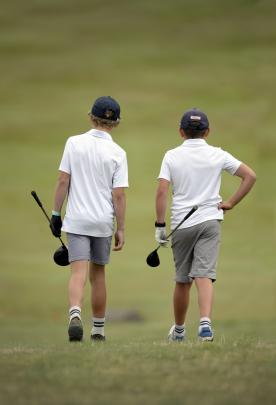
{"x":160,"y":234}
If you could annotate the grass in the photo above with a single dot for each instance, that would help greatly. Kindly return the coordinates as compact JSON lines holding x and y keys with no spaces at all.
{"x":157,"y":59}
{"x":140,"y":369}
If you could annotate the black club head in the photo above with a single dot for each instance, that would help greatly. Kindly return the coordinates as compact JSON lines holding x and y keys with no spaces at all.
{"x":61,"y":256}
{"x":153,"y":259}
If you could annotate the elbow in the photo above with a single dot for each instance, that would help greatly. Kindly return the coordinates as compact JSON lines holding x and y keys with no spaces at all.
{"x":118,"y":197}
{"x":63,"y":181}
{"x":252,"y":176}
{"x":161,"y":194}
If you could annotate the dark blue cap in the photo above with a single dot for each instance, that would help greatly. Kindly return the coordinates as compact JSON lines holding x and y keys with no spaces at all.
{"x":106,"y":108}
{"x":194,"y":119}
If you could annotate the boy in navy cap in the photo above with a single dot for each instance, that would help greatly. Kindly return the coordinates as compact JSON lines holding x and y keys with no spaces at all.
{"x":93,"y":175}
{"x":194,"y":171}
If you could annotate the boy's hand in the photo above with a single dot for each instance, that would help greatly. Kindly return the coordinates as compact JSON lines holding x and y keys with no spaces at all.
{"x":160,"y":234}
{"x":119,"y":240}
{"x":225,"y":205}
{"x":55,"y":225}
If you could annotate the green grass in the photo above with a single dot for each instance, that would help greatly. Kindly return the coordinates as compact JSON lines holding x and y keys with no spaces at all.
{"x":157,"y":58}
{"x":135,"y":369}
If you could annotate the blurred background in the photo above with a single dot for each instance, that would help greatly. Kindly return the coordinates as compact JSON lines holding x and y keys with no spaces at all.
{"x":157,"y":58}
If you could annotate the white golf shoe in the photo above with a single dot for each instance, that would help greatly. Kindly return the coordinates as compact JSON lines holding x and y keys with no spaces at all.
{"x":205,"y":334}
{"x":173,"y":337}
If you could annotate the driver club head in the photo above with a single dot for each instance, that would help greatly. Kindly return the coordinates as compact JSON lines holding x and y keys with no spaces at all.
{"x":61,"y":256}
{"x":153,"y":259}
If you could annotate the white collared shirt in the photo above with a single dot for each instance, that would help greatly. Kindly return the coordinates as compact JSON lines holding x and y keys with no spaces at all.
{"x":194,"y":170}
{"x":96,"y":165}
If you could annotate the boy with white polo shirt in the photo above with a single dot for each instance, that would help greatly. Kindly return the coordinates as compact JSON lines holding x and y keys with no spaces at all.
{"x":93,"y":175}
{"x":194,"y":171}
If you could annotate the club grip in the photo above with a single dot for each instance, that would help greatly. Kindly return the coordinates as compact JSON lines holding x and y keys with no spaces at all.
{"x":36,"y":198}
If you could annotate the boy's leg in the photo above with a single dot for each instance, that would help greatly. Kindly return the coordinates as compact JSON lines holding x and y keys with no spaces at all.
{"x":204,"y":273}
{"x":77,"y":282}
{"x":98,"y":300}
{"x":98,"y":289}
{"x":100,"y":252}
{"x":205,"y":296}
{"x":181,"y":301}
{"x":79,"y":255}
{"x":182,"y":246}
{"x":76,"y":286}
{"x":205,"y":302}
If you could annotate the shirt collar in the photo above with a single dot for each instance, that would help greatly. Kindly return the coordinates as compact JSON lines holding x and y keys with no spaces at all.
{"x":194,"y":141}
{"x":100,"y":134}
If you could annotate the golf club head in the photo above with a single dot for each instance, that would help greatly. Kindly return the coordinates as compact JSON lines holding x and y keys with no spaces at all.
{"x":153,"y":259}
{"x":61,"y":256}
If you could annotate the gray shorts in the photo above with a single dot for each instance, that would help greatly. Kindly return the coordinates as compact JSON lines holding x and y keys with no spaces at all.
{"x":195,"y":251}
{"x":92,"y":248}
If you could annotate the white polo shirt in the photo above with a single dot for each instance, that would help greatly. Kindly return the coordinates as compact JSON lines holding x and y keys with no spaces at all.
{"x":194,"y":170}
{"x":96,"y":165}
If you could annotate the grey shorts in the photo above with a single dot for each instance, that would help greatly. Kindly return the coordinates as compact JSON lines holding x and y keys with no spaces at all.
{"x":92,"y":248}
{"x":195,"y":251}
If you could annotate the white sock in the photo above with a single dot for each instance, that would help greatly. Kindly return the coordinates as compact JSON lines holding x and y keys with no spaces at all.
{"x":179,"y":330}
{"x":74,"y":312}
{"x":97,"y":326}
{"x":204,"y":322}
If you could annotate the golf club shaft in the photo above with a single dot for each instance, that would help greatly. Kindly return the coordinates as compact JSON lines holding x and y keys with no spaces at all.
{"x":184,"y":219}
{"x":33,"y":193}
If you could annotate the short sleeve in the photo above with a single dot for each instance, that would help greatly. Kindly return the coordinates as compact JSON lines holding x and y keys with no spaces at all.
{"x":231,"y":164}
{"x":65,"y":161}
{"x":165,"y":169}
{"x":120,"y":177}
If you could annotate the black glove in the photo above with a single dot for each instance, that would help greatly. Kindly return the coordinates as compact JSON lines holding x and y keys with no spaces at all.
{"x":55,"y":225}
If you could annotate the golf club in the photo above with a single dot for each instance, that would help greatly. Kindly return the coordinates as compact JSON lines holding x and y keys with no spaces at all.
{"x":61,"y":254}
{"x":153,"y":258}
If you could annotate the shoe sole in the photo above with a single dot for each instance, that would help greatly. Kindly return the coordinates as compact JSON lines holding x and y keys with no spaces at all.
{"x":97,"y":338}
{"x":75,"y":333}
{"x":206,"y":339}
{"x":177,"y":340}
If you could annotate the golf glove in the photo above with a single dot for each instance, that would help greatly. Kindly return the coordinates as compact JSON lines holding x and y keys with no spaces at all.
{"x":55,"y":225}
{"x":160,"y":234}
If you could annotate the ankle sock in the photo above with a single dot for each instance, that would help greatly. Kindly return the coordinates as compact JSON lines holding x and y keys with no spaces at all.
{"x":74,"y":312}
{"x":204,"y":323}
{"x":97,"y":326}
{"x":179,"y":330}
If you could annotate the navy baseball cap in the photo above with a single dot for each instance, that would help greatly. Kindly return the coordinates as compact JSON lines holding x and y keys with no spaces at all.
{"x":194,"y":119}
{"x":106,"y":108}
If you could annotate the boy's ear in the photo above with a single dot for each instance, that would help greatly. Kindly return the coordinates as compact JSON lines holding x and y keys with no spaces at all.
{"x":207,"y":133}
{"x":182,"y":133}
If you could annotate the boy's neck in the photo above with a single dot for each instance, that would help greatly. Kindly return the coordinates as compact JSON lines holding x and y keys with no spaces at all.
{"x":186,"y":138}
{"x":104,"y":129}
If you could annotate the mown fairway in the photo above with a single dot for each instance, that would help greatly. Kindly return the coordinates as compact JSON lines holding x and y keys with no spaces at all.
{"x":157,"y":58}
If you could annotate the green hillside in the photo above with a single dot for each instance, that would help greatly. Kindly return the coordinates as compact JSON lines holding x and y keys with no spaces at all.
{"x":157,"y":58}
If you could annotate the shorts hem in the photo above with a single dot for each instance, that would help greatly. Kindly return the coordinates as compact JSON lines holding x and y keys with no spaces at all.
{"x":77,"y":258}
{"x":211,"y":277}
{"x":99,"y":262}
{"x":186,"y":280}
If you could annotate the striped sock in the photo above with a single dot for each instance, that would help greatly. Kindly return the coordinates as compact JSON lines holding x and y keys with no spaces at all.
{"x":74,"y":312}
{"x":179,"y":330}
{"x":204,"y":323}
{"x":97,"y":326}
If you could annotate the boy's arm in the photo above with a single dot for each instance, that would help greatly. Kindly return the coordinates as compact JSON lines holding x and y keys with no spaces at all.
{"x":62,"y":187}
{"x":119,"y":203}
{"x":161,"y":207}
{"x":161,"y":200}
{"x":248,"y":177}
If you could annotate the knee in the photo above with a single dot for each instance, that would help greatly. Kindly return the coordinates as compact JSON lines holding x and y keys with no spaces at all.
{"x":96,"y":273}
